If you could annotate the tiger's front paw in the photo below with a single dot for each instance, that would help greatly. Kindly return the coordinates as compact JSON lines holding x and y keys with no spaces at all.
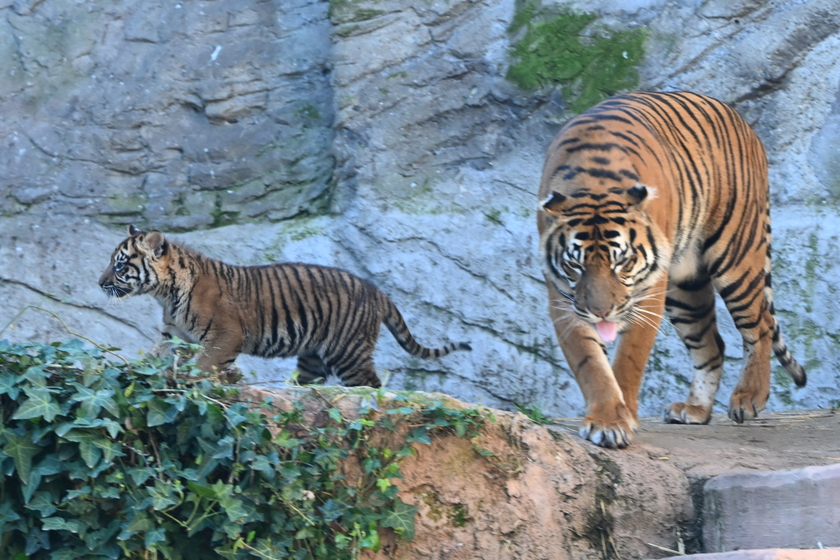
{"x":612,"y":429}
{"x":681,"y":413}
{"x":744,"y":405}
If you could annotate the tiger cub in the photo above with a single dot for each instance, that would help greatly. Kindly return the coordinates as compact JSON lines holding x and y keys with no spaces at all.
{"x":651,"y":203}
{"x":325,"y":316}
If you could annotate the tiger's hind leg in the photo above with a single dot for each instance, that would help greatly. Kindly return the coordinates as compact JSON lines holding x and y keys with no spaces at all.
{"x":691,"y":308}
{"x":746,"y":301}
{"x":311,"y":369}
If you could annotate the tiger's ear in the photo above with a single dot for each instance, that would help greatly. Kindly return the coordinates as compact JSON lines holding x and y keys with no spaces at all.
{"x":154,"y":242}
{"x":553,"y":205}
{"x":132,"y":231}
{"x":639,"y":195}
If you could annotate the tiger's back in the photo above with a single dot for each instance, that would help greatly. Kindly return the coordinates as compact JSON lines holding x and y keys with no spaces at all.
{"x":648,"y":194}
{"x":326,"y":316}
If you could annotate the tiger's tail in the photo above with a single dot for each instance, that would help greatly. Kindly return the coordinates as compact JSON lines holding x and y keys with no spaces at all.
{"x":794,"y":368}
{"x":396,"y":324}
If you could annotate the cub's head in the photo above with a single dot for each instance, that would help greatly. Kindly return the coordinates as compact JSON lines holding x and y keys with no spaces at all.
{"x":603,"y":253}
{"x":134,"y":264}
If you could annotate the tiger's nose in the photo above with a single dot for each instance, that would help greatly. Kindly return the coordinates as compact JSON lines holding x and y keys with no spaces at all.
{"x":601,"y":313}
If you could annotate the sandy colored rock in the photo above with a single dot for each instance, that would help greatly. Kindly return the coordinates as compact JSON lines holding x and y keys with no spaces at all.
{"x":541,"y":492}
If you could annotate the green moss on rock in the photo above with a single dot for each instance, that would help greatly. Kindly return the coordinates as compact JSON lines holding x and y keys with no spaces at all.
{"x":554,"y":51}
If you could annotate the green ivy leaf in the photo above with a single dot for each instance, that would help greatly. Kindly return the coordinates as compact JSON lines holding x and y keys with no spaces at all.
{"x":7,"y":514}
{"x":21,"y":450}
{"x":40,"y":404}
{"x":202,"y":490}
{"x":8,"y":385}
{"x":79,"y":492}
{"x":140,"y":474}
{"x":163,"y":495}
{"x":155,"y":536}
{"x":401,"y":519}
{"x":419,"y":435}
{"x":110,"y":449}
{"x":61,"y":524}
{"x":94,"y":401}
{"x":139,"y":524}
{"x":157,"y":413}
{"x":41,"y":502}
{"x":236,"y":414}
{"x":285,"y":439}
{"x":404,"y":411}
{"x":36,"y":375}
{"x":90,"y":452}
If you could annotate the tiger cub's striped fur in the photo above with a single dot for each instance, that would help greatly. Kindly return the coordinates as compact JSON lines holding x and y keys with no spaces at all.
{"x":651,"y":203}
{"x":325,"y":316}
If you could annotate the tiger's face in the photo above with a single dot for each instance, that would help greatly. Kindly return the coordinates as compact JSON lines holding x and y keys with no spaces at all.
{"x":603,"y":254}
{"x":132,"y":269}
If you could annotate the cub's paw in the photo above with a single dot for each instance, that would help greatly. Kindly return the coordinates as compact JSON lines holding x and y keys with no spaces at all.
{"x":231,"y":374}
{"x":613,"y":430}
{"x":681,"y":413}
{"x":745,"y":406}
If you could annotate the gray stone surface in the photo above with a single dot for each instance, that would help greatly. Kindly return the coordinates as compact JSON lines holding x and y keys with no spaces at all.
{"x":383,"y":137}
{"x":768,"y":554}
{"x":798,"y":508}
{"x":177,"y":115}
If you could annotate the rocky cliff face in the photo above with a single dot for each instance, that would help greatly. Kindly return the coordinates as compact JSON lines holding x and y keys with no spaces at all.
{"x":391,"y":138}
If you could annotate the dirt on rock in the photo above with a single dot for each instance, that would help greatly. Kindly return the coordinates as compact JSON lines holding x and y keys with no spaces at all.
{"x":521,"y":490}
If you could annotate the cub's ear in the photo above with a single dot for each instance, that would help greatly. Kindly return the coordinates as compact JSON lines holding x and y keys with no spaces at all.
{"x":553,"y":205}
{"x":132,"y":231}
{"x":155,"y":243}
{"x":639,"y":195}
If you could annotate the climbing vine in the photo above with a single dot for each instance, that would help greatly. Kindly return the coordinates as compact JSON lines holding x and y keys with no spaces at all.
{"x":106,"y":459}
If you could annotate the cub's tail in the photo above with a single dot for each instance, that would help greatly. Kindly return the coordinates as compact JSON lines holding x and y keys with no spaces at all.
{"x":396,"y":324}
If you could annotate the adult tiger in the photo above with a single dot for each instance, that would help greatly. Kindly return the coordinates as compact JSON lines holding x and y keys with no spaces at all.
{"x":651,"y":202}
{"x":325,"y":316}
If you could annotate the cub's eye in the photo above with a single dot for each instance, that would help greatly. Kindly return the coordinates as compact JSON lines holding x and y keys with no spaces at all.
{"x":119,"y":266}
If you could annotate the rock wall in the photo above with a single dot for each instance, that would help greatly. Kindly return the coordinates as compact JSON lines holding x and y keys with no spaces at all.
{"x":385,"y":137}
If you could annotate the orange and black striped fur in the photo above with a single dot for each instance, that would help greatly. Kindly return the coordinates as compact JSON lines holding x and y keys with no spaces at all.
{"x":325,"y":316}
{"x":651,"y":203}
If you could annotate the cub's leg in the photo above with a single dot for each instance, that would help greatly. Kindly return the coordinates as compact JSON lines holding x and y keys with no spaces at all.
{"x":218,"y":356}
{"x":744,"y":294}
{"x":162,"y":347}
{"x":355,"y":367}
{"x":608,"y":422}
{"x":691,"y":308}
{"x":351,"y":357}
{"x":311,"y":369}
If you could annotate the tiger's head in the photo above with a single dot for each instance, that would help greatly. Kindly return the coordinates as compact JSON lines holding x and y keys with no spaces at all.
{"x":133,"y":267}
{"x":604,"y":253}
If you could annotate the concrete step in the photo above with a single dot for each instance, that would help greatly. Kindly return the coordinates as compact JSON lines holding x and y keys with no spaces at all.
{"x":769,"y":554}
{"x":775,"y":509}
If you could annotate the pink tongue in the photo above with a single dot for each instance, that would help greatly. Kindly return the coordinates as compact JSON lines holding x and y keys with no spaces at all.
{"x":607,"y":330}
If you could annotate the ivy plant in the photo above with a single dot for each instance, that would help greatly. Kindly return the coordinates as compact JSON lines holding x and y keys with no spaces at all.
{"x":106,"y":458}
